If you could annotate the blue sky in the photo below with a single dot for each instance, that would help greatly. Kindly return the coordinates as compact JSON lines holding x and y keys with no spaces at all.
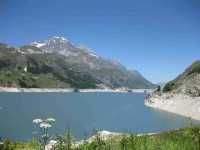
{"x":159,"y":38}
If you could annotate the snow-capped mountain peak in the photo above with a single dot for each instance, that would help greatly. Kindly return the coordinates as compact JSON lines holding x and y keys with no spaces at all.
{"x":64,"y":47}
{"x":51,"y":41}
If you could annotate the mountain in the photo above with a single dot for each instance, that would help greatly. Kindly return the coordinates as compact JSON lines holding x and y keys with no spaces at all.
{"x":58,"y":63}
{"x":162,"y":84}
{"x":181,"y":95}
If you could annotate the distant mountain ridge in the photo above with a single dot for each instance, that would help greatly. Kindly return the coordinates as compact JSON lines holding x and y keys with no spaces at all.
{"x":58,"y":63}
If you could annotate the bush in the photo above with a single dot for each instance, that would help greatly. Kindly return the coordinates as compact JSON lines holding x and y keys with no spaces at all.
{"x":170,"y":86}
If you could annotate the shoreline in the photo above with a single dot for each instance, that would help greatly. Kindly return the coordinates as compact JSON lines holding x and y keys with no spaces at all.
{"x":14,"y":89}
{"x":104,"y":135}
{"x":176,"y":103}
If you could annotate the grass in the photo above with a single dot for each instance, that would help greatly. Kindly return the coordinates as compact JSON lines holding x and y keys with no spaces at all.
{"x":182,"y":139}
{"x":14,"y":78}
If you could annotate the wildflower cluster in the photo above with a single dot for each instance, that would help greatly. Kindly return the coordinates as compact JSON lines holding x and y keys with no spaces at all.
{"x":44,"y":126}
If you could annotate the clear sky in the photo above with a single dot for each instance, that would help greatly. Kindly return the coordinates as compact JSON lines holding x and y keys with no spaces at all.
{"x":159,"y":38}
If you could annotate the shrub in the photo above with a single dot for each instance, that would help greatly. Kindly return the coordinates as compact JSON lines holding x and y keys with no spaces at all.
{"x":170,"y":86}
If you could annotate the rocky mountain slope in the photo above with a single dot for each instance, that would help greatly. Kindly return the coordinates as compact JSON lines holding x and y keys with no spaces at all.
{"x":58,"y":63}
{"x":181,"y":95}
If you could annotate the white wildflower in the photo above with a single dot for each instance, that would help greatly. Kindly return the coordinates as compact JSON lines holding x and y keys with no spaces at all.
{"x":37,"y":121}
{"x":53,"y":142}
{"x":45,"y":125}
{"x":45,"y":135}
{"x":51,"y":120}
{"x":1,"y":143}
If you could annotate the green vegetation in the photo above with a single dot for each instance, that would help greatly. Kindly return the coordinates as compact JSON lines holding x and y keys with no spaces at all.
{"x":42,"y":75}
{"x":170,"y":86}
{"x":15,"y":78}
{"x":181,"y":139}
{"x":31,"y":145}
{"x":195,"y":69}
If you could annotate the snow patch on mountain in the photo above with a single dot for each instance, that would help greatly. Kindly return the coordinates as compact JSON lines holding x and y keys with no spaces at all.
{"x":94,"y":55}
{"x":38,"y":44}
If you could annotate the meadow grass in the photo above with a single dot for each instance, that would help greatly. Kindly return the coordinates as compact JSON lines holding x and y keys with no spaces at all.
{"x":180,"y":139}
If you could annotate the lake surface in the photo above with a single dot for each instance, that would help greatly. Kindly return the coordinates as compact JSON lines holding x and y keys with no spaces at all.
{"x":83,"y":112}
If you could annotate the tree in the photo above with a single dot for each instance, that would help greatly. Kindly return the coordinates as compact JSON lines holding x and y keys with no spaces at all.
{"x":159,"y":88}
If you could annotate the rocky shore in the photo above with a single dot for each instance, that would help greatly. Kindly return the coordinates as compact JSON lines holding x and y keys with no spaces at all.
{"x":178,"y":103}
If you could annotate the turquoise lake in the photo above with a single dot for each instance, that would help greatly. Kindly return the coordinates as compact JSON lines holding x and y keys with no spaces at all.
{"x":83,"y":112}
